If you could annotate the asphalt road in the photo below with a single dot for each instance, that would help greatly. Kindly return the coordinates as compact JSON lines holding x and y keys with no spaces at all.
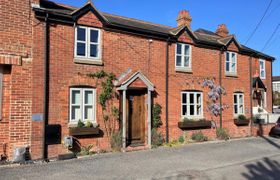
{"x":252,"y":158}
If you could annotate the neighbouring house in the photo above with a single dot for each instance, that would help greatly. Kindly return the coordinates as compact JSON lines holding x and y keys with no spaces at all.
{"x":48,"y":49}
{"x":276,"y":90}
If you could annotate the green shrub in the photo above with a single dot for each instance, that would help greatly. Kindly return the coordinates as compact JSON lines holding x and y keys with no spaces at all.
{"x":157,"y":138}
{"x":242,"y":117}
{"x":80,"y":124}
{"x":181,"y":139}
{"x":173,"y":143}
{"x":187,"y":119}
{"x":85,"y":150}
{"x":88,"y":124}
{"x":116,"y":141}
{"x":222,"y":133}
{"x":157,"y":115}
{"x":199,"y":137}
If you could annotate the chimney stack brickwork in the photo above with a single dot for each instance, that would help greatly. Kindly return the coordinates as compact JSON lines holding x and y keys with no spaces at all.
{"x":222,"y":30}
{"x":184,"y":18}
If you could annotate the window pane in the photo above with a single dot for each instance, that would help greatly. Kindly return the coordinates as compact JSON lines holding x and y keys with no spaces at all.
{"x":76,"y":113}
{"x":187,"y":50}
{"x":187,"y":61}
{"x":88,"y":97}
{"x":262,"y":74}
{"x":76,"y":97}
{"x":227,"y":66}
{"x":233,"y":67}
{"x":94,"y":36}
{"x":184,"y":98}
{"x":198,"y":110}
{"x":81,"y":49}
{"x":179,"y":49}
{"x":235,"y":109}
{"x":88,"y":113}
{"x":261,"y":64}
{"x":191,"y":98}
{"x":227,"y":57}
{"x":192,"y":110}
{"x":81,"y":34}
{"x":240,"y":99}
{"x":241,"y":109}
{"x":233,"y":57}
{"x":184,"y":109}
{"x":198,"y":99}
{"x":179,"y":61}
{"x":235,"y":99}
{"x":93,"y":50}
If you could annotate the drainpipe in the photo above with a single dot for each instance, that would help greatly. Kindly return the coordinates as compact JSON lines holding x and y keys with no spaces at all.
{"x":251,"y":96}
{"x":46,"y":88}
{"x":220,"y":82}
{"x":166,"y":89}
{"x":271,"y":86}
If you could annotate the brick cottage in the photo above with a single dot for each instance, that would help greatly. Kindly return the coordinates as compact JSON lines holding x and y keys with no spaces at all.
{"x":48,"y":49}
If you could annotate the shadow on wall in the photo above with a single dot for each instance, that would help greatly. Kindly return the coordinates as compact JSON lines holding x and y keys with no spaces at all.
{"x":263,"y":169}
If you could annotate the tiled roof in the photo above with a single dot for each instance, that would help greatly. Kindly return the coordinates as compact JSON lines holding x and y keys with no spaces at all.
{"x":201,"y":35}
{"x":275,"y":78}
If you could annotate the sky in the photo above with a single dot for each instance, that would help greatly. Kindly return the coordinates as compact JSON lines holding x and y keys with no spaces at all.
{"x":240,"y":16}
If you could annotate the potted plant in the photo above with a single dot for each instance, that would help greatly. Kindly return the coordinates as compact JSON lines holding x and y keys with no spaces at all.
{"x":87,"y":128}
{"x":241,"y":120}
{"x":187,"y":123}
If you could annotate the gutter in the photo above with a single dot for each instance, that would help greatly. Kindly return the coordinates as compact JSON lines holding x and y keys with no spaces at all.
{"x":46,"y":89}
{"x":166,"y":90}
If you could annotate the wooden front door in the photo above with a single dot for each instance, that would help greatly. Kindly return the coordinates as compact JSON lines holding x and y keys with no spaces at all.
{"x":136,"y":117}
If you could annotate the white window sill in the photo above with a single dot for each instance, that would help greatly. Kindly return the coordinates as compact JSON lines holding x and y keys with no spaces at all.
{"x":79,"y":60}
{"x":228,"y":74}
{"x":194,"y":118}
{"x":183,"y":69}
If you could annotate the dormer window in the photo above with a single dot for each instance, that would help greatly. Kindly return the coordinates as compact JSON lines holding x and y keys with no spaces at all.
{"x":231,"y":63}
{"x":183,"y":56}
{"x":87,"y":43}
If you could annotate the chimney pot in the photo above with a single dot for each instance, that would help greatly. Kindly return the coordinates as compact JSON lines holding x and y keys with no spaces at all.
{"x":184,"y":18}
{"x":222,"y":30}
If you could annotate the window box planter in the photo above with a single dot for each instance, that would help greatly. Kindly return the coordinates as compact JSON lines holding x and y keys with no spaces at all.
{"x":239,"y":122}
{"x":83,"y":131}
{"x":202,"y":124}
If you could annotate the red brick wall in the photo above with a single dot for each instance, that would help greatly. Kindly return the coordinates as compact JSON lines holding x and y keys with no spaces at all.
{"x":16,"y":42}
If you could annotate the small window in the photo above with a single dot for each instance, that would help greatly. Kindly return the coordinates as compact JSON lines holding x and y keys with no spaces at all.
{"x":82,"y":104}
{"x":192,"y":104}
{"x":231,"y":63}
{"x":238,"y":103}
{"x":262,"y":69}
{"x":87,"y":43}
{"x":183,"y":55}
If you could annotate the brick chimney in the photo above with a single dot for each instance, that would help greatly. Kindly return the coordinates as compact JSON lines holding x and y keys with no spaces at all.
{"x":184,"y":18}
{"x":222,"y":30}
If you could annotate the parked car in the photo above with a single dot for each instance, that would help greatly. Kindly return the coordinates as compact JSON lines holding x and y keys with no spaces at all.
{"x":275,"y":130}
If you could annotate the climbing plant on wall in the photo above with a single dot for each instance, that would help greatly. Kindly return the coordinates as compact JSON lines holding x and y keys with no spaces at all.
{"x":106,"y":98}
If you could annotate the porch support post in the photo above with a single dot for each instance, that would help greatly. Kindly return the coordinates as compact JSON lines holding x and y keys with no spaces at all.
{"x":149,"y":119}
{"x":124,"y":120}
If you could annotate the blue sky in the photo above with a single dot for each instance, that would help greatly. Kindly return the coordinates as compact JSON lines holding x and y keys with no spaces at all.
{"x":240,"y":16}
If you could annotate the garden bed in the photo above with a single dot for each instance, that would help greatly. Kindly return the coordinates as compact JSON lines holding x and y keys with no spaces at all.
{"x":202,"y":124}
{"x":82,"y":131}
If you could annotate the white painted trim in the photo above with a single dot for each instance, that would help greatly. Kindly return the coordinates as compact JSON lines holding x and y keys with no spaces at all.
{"x":196,"y":116}
{"x":231,"y":72}
{"x":124,"y":120}
{"x":263,"y":61}
{"x":183,"y":45}
{"x":82,"y":104}
{"x":1,"y":91}
{"x":88,"y":43}
{"x":238,"y":104}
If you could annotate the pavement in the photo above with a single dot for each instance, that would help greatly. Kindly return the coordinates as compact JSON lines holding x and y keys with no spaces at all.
{"x":249,"y":158}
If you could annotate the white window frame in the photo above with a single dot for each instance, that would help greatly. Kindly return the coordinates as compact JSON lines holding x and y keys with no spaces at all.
{"x":195,"y":116}
{"x":230,"y":72}
{"x":262,"y":69}
{"x":82,"y":105}
{"x":88,"y":43}
{"x":238,"y":104}
{"x":183,"y":55}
